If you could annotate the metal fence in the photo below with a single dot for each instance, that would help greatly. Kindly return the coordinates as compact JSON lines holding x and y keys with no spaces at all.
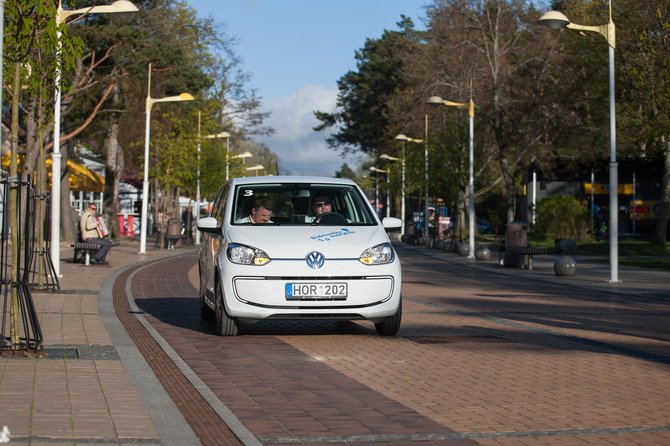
{"x":21,"y":260}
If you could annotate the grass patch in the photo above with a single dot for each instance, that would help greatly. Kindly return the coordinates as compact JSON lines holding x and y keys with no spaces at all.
{"x":626,"y":248}
{"x":661,"y":264}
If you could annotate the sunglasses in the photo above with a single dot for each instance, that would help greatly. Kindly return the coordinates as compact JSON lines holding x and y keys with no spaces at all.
{"x":321,"y":204}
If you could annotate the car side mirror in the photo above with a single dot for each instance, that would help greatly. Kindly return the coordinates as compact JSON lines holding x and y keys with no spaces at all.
{"x":392,"y":224}
{"x":209,"y":225}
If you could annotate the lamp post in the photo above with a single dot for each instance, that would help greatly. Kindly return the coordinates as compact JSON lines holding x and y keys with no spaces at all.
{"x":404,"y":139}
{"x":384,"y":156}
{"x":425,"y":173}
{"x":557,"y":20}
{"x":225,"y":135}
{"x":145,"y":183}
{"x":197,"y":194}
{"x":243,"y":156}
{"x":61,"y":17}
{"x":388,"y":201}
{"x":470,"y":106}
{"x":256,"y":168}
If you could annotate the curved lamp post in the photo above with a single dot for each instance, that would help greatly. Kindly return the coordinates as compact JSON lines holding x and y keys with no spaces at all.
{"x":61,"y":17}
{"x":225,"y":135}
{"x":256,"y":168}
{"x":388,"y":201}
{"x":557,"y":20}
{"x":145,"y":183}
{"x":405,"y":140}
{"x":243,"y":156}
{"x":384,"y":156}
{"x":470,"y":106}
{"x":197,"y":193}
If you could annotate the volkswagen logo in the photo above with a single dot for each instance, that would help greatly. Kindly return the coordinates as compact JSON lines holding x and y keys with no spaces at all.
{"x":315,"y":260}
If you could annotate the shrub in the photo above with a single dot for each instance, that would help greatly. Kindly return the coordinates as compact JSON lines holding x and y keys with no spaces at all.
{"x":563,"y":217}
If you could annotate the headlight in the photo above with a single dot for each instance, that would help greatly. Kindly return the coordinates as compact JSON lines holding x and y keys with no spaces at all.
{"x":245,"y":255}
{"x":378,"y":255}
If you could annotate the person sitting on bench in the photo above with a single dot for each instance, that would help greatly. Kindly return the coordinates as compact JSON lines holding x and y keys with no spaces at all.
{"x":90,"y":232}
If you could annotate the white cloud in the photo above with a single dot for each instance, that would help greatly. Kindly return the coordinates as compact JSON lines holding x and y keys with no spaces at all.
{"x":301,"y":150}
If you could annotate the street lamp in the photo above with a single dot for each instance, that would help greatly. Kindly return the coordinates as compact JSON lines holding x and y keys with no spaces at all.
{"x":470,"y":106}
{"x":557,"y":20}
{"x":243,"y":156}
{"x":404,"y":140}
{"x":388,"y":201}
{"x":145,"y":183}
{"x":61,"y":17}
{"x":225,"y":135}
{"x":384,"y":156}
{"x":256,"y":168}
{"x":197,"y":193}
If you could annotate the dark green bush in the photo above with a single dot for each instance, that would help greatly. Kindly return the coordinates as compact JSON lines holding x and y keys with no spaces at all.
{"x":563,"y":217}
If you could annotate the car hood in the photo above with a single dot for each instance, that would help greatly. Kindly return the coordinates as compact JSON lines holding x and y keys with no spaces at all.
{"x":297,"y":241}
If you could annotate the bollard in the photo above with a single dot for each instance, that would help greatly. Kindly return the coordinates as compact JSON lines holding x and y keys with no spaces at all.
{"x":565,"y":266}
{"x":483,"y":253}
{"x":122,"y":225}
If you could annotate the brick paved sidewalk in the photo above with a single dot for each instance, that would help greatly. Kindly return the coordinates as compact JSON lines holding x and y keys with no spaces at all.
{"x":85,"y":389}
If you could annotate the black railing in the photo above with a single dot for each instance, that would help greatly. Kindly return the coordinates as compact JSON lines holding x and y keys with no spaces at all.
{"x":42,"y":272}
{"x":20,"y":328}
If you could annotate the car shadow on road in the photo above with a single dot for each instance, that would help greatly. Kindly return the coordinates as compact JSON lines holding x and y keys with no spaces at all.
{"x":184,"y":312}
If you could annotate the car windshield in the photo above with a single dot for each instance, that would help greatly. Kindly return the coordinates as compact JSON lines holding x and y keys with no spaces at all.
{"x":301,"y":204}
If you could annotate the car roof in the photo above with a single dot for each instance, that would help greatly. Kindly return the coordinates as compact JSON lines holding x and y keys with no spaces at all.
{"x":290,"y":179}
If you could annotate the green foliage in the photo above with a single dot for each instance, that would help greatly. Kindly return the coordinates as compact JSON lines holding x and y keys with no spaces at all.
{"x":30,"y":39}
{"x":563,"y":217}
{"x":346,"y":172}
{"x":362,"y":119}
{"x":173,"y":150}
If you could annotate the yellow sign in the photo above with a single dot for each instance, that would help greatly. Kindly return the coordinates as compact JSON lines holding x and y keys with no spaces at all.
{"x":603,"y":189}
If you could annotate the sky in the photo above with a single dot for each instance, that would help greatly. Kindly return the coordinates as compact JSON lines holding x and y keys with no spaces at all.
{"x":295,"y":52}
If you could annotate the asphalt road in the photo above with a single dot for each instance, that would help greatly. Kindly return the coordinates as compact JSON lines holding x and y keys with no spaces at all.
{"x":481,"y":358}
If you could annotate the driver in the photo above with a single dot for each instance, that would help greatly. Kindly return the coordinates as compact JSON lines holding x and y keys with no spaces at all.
{"x":321,"y":204}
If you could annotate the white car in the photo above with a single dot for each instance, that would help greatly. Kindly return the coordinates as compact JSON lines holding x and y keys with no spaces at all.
{"x":338,"y":265}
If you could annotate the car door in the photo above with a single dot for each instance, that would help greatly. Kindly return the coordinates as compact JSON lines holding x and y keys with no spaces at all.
{"x":210,"y":245}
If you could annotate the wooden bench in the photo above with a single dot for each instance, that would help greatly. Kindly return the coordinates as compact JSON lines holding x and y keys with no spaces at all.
{"x":83,"y":250}
{"x":527,"y":252}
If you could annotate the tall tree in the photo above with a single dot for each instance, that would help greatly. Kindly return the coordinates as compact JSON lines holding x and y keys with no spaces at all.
{"x":642,"y":79}
{"x":491,"y":45}
{"x":644,"y":44}
{"x":361,"y":121}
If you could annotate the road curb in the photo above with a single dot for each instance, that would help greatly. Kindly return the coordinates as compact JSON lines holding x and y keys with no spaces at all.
{"x":228,"y":417}
{"x":169,"y":422}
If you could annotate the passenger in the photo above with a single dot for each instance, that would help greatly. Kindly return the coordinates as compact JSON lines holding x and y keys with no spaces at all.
{"x":261,"y":212}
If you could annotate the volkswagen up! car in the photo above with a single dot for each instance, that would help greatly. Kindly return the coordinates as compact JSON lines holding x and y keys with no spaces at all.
{"x":299,"y":264}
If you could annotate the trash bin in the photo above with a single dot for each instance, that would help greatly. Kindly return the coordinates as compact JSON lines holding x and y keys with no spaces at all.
{"x":173,"y":232}
{"x":516,"y":234}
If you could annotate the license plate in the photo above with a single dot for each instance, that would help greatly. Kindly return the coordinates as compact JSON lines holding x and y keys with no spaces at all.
{"x":316,"y":290}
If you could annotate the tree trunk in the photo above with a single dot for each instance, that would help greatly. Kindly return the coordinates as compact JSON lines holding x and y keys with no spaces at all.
{"x":14,"y":309}
{"x":113,"y":168}
{"x":68,"y":223}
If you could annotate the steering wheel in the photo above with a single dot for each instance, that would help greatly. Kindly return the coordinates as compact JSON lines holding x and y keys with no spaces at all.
{"x":330,"y":218}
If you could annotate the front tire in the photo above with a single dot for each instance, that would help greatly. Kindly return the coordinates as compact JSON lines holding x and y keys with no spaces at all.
{"x":390,"y":325}
{"x":225,"y":325}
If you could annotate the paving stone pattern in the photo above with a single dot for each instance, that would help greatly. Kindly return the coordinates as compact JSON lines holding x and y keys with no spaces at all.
{"x":479,"y":377}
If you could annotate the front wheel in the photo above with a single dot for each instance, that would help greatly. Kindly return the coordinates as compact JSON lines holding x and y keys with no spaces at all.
{"x":225,"y":325}
{"x":390,"y":325}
